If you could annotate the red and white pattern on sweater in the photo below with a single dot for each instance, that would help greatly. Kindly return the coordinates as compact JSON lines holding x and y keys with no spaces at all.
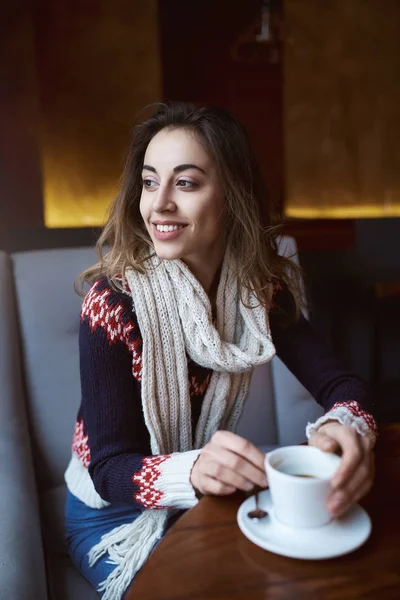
{"x":148,"y":495}
{"x":80,"y":445}
{"x":196,"y":388}
{"x":109,"y":317}
{"x":355,"y":409}
{"x":123,"y":284}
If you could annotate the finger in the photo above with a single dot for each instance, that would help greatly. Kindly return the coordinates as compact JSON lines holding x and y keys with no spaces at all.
{"x":224,"y":464}
{"x":324,"y":442}
{"x":363,"y":490}
{"x":211,"y":486}
{"x":358,"y":486}
{"x":364,"y":474}
{"x":339,"y":505}
{"x":353,"y":453}
{"x":343,"y":497}
{"x":239,"y":445}
{"x":229,"y":477}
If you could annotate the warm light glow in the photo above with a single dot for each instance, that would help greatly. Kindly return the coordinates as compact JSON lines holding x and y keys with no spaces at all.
{"x":63,"y":209}
{"x":341,"y":124}
{"x":342,"y":212}
{"x":66,"y":212}
{"x":96,"y":70}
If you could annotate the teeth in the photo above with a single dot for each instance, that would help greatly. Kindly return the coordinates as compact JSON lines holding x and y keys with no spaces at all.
{"x":166,"y":228}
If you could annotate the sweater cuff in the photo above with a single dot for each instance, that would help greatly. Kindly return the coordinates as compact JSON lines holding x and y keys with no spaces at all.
{"x":164,"y":481}
{"x":351,"y":414}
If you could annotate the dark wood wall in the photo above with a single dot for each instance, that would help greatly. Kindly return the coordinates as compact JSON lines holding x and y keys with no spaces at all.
{"x":204,"y":57}
{"x":20,"y":170}
{"x":74,"y":76}
{"x":208,"y":57}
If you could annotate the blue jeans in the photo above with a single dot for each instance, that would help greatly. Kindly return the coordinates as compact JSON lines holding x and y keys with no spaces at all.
{"x":84,"y":527}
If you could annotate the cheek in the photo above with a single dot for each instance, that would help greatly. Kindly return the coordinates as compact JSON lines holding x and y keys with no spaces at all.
{"x":215,"y":230}
{"x":144,"y":209}
{"x":213,"y":219}
{"x":208,"y":228}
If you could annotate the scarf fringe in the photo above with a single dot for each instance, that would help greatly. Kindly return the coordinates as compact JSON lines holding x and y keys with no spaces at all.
{"x":124,"y":551}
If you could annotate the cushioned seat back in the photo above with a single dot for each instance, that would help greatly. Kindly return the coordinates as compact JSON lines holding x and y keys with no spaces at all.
{"x":278,"y":407}
{"x":258,"y":420}
{"x":48,"y":312}
{"x":276,"y":412}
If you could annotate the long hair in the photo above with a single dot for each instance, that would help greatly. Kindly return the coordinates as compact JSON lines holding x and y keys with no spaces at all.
{"x":249,"y":231}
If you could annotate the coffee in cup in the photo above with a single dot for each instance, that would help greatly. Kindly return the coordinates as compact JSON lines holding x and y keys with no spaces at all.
{"x":299,"y":482}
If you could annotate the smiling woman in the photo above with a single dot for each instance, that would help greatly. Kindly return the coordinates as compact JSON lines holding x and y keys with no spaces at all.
{"x":194,"y":167}
{"x":182,"y":203}
{"x":190,"y":297}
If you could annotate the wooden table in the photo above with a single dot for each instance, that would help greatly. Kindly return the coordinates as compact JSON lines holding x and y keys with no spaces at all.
{"x":206,"y":557}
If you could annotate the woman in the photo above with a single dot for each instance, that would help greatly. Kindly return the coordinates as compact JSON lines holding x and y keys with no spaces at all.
{"x":189,"y":298}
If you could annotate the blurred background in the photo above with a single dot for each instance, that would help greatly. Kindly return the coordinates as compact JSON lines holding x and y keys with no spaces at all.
{"x":317,"y":86}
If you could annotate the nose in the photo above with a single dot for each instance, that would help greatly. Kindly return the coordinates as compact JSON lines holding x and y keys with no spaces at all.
{"x":163,"y":200}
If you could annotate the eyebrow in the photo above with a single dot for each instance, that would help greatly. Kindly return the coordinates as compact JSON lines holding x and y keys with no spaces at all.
{"x":177,"y":169}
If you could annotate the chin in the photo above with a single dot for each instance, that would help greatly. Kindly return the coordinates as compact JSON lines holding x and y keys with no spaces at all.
{"x":167,"y":253}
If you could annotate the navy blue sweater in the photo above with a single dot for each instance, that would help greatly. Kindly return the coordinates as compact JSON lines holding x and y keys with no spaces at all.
{"x":111,"y":437}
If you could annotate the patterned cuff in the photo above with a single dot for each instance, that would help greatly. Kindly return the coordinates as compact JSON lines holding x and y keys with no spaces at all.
{"x":164,"y":481}
{"x":348,"y":413}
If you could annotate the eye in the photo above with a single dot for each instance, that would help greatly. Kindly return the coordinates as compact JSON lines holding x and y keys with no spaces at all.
{"x":184,"y":183}
{"x":149,"y":183}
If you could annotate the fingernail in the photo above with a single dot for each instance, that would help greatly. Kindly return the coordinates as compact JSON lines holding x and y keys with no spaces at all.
{"x":334,"y":510}
{"x":336,"y":501}
{"x":334,"y":505}
{"x":339,"y":509}
{"x":249,"y":486}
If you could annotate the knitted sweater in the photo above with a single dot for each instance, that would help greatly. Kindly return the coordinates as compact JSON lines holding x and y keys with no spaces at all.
{"x":111,"y":457}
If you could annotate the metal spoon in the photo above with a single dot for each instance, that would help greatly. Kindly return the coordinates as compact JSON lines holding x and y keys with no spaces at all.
{"x":258,"y":513}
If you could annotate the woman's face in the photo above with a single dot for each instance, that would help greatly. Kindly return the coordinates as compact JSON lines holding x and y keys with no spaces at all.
{"x":182,"y":202}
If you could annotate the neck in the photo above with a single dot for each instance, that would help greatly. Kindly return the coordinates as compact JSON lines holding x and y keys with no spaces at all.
{"x":207,"y":272}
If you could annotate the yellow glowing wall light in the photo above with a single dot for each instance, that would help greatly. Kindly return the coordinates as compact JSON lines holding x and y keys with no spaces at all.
{"x":65,"y":209}
{"x":96,"y":70}
{"x":343,"y":212}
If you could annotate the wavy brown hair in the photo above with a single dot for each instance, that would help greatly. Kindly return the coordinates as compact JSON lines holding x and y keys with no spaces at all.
{"x":249,"y":231}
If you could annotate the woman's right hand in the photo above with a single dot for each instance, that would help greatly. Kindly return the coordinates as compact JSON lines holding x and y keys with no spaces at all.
{"x":228,"y":463}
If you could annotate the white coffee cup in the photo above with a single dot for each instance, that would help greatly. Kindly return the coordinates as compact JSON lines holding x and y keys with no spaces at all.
{"x":299,"y":482}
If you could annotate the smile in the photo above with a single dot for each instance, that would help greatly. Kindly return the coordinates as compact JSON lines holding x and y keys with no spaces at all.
{"x":166,"y":228}
{"x":167,"y":232}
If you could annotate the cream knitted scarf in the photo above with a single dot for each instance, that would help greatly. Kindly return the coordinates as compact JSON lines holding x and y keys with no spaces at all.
{"x":175,"y":319}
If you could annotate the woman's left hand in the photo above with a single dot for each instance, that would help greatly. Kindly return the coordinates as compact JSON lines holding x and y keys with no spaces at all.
{"x":355,"y":475}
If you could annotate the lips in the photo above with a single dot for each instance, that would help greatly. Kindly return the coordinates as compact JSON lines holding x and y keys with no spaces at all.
{"x":166,"y":233}
{"x":167,"y":223}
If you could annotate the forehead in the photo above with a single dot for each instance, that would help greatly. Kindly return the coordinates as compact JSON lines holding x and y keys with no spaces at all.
{"x":176,"y":146}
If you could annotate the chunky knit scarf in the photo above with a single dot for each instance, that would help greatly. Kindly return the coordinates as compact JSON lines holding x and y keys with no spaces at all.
{"x":175,"y":319}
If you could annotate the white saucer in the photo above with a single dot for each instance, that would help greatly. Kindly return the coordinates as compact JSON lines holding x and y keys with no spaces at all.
{"x":334,"y":539}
